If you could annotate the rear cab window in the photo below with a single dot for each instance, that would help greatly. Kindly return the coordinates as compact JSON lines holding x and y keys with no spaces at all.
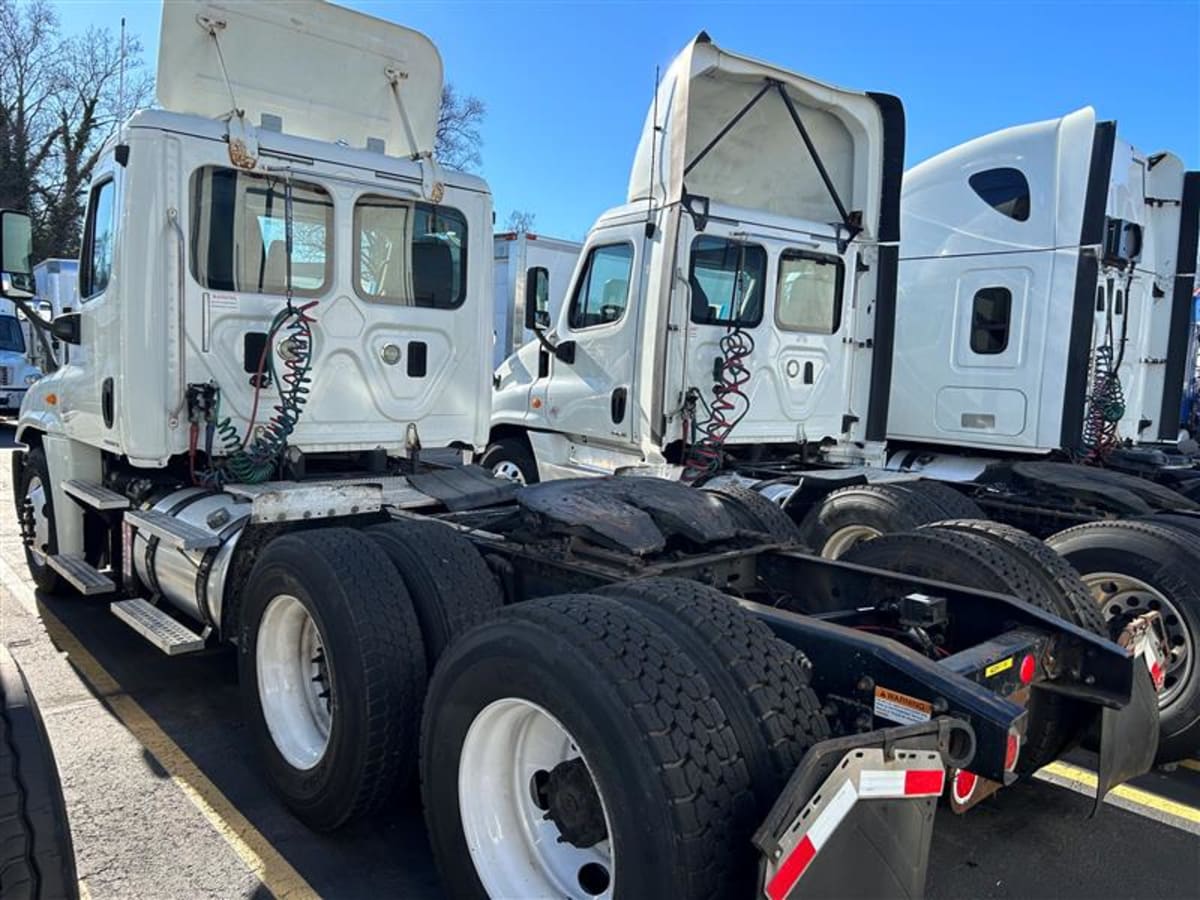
{"x":239,"y":233}
{"x":409,"y":254}
{"x":809,"y":292}
{"x":727,"y":281}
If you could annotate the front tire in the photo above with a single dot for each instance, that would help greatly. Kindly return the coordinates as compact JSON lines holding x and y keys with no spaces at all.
{"x":35,"y":511}
{"x":511,"y":458}
{"x":332,"y":671}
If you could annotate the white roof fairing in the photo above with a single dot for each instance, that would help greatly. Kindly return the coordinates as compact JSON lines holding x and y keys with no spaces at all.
{"x":761,"y":162}
{"x":322,"y":68}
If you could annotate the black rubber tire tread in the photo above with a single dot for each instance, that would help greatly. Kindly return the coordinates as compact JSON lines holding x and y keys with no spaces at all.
{"x":888,"y":507}
{"x":515,"y":450}
{"x":450,"y":585}
{"x":974,"y":560}
{"x":47,"y":580}
{"x":756,"y":512}
{"x":656,"y":738}
{"x":762,"y":681}
{"x":1081,"y":606}
{"x":1174,"y":560}
{"x":955,"y":504}
{"x":1190,"y":525}
{"x":365,"y":616}
{"x":37,"y":859}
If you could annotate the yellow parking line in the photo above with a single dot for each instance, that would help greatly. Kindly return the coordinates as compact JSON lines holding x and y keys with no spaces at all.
{"x":1126,"y":792}
{"x":1193,"y":764}
{"x":275,"y":872}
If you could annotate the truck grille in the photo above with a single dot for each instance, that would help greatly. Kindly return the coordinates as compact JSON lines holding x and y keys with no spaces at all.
{"x":5,"y":375}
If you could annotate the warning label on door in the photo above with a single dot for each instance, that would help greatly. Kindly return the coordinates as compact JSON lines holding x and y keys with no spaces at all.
{"x":897,"y":707}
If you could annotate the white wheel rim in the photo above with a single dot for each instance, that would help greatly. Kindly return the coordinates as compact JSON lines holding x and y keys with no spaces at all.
{"x":846,"y":537}
{"x":514,"y":846}
{"x":1122,"y":596}
{"x":508,"y":470}
{"x":35,"y":496}
{"x":292,"y":676}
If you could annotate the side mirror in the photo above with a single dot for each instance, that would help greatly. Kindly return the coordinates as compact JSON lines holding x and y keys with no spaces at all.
{"x":66,"y":328}
{"x":16,"y":251}
{"x":565,"y":352}
{"x":537,"y":298}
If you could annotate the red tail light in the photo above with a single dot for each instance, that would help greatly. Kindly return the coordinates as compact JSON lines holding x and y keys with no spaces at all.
{"x":1028,"y":669}
{"x":1012,"y":750}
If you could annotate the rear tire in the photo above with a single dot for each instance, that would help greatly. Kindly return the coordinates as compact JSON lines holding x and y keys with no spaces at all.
{"x":325,"y":610}
{"x":658,"y":749}
{"x":1155,"y":567}
{"x":34,"y":498}
{"x":511,"y":458}
{"x":450,"y":585}
{"x":973,"y":560}
{"x":852,"y":515}
{"x":754,"y":512}
{"x":760,"y":680}
{"x":37,"y":859}
{"x":955,"y":504}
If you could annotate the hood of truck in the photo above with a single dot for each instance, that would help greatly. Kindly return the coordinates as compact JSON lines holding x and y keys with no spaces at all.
{"x":329,"y":73}
{"x":762,"y":162}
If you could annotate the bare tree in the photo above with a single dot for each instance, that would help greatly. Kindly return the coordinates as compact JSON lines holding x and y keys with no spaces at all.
{"x":458,"y":138}
{"x":520,"y":221}
{"x":59,"y":103}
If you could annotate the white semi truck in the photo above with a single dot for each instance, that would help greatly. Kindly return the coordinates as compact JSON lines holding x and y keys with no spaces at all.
{"x":640,"y":689}
{"x":868,"y":383}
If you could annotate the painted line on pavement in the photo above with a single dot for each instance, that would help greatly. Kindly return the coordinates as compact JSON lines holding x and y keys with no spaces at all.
{"x":1125,"y":796}
{"x":255,"y":851}
{"x":1193,"y":764}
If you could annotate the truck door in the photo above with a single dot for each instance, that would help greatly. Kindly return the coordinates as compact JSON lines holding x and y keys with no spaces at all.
{"x":92,"y":364}
{"x":592,"y":397}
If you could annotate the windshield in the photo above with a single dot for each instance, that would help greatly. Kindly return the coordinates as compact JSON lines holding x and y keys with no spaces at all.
{"x":11,"y":337}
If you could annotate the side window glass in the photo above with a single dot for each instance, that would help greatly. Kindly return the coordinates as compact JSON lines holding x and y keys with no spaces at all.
{"x":410,"y":254}
{"x":727,"y":282}
{"x":1004,"y":190}
{"x":809,"y":292}
{"x":603,"y":290}
{"x":537,"y":297}
{"x":991,"y":315}
{"x":98,"y":241}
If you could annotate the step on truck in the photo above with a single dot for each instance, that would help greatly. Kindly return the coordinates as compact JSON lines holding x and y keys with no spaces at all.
{"x":608,"y":687}
{"x":815,"y":342}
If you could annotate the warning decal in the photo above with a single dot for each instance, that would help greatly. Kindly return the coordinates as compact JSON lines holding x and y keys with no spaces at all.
{"x":996,"y":668}
{"x":897,"y":707}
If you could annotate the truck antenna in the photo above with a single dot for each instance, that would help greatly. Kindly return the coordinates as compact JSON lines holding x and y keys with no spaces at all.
{"x":121,"y":74}
{"x":653,"y":146}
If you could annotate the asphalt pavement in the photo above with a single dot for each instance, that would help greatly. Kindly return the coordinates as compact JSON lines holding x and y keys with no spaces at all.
{"x":166,"y":800}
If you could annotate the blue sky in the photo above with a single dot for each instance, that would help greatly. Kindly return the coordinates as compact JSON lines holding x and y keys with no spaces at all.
{"x":567,"y":84}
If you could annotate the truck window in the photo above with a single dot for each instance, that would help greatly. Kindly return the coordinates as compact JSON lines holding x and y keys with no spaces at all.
{"x":1005,"y":190}
{"x":412,"y":254}
{"x":991,"y":312}
{"x":239,"y":233}
{"x":602,"y":292}
{"x":727,"y":279}
{"x":98,"y":241}
{"x":11,"y":337}
{"x":809,"y":292}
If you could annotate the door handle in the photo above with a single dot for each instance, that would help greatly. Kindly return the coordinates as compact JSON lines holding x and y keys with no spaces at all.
{"x":617,"y":405}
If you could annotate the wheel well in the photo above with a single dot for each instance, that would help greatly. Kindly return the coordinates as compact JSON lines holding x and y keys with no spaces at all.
{"x":502,"y":432}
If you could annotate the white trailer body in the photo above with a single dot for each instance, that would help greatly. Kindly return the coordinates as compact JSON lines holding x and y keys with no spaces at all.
{"x":57,"y":283}
{"x":531,"y":272}
{"x":1035,"y":260}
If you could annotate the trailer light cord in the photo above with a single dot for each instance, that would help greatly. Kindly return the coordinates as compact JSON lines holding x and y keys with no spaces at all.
{"x":729,"y":406}
{"x":1106,"y":402}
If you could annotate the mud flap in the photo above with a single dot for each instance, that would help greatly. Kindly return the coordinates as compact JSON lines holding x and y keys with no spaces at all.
{"x":856,"y":817}
{"x":1128,"y":737}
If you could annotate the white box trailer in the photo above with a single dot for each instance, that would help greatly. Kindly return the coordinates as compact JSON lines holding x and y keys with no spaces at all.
{"x":531,"y":273}
{"x":57,"y":283}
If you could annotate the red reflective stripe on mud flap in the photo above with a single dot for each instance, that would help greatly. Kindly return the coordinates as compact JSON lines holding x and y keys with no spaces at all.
{"x":791,"y":870}
{"x":924,"y":781}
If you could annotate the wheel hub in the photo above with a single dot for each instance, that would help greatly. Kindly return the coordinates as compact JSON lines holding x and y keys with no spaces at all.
{"x":32,"y":518}
{"x":509,"y":471}
{"x":1121,"y":598}
{"x":569,"y":796}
